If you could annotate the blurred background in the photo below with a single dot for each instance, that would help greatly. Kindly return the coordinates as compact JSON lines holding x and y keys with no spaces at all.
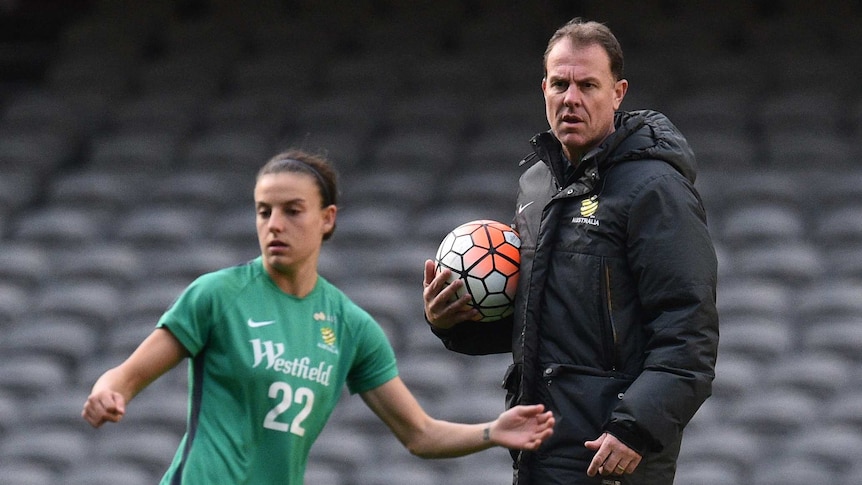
{"x":130,"y":133}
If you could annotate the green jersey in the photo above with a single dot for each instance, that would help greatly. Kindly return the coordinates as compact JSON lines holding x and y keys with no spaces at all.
{"x":266,"y":371}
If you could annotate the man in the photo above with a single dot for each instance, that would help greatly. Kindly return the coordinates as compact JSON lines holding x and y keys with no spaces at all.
{"x":615,"y":327}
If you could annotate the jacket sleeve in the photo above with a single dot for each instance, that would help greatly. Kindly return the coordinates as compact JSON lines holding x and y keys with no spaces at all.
{"x":673,"y":261}
{"x":478,"y":338}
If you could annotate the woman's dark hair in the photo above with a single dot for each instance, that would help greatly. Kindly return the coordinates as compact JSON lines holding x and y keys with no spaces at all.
{"x":317,"y":166}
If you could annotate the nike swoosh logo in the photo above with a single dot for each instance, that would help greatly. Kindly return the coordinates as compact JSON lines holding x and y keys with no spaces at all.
{"x":253,"y":324}
{"x":523,"y":207}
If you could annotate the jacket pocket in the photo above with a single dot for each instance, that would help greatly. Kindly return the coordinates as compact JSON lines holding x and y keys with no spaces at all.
{"x":512,"y":384}
{"x":582,"y":400}
{"x":610,"y":337}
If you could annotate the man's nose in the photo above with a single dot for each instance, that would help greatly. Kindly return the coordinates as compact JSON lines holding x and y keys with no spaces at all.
{"x":572,"y":96}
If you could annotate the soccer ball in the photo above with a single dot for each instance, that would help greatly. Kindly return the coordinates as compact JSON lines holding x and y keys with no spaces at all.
{"x":483,"y":253}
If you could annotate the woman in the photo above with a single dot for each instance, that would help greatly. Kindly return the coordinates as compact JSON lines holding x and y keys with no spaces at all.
{"x":272,"y":343}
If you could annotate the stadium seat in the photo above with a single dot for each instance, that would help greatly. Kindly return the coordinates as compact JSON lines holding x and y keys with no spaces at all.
{"x":821,"y":374}
{"x":386,"y":299}
{"x":123,"y":339}
{"x":346,"y":452}
{"x":759,"y":223}
{"x":518,"y":115}
{"x":474,"y":407}
{"x":830,"y":298}
{"x":764,"y":338}
{"x":54,"y":448}
{"x":90,"y":35}
{"x":798,"y":149}
{"x":96,"y":189}
{"x":792,"y":111}
{"x":837,"y":446}
{"x":199,"y":73}
{"x":737,"y":373}
{"x":346,"y":148}
{"x":14,"y":301}
{"x":15,"y":473}
{"x":17,"y":190}
{"x":109,"y":474}
{"x":316,"y":474}
{"x":429,"y":377}
{"x":10,"y":413}
{"x":98,"y":302}
{"x":115,"y":265}
{"x":775,"y":413}
{"x":249,"y":112}
{"x":175,"y":113}
{"x":369,"y":75}
{"x":54,"y":336}
{"x":59,"y":408}
{"x":186,"y":263}
{"x":39,"y":110}
{"x":227,"y":150}
{"x":846,"y":410}
{"x":500,"y":149}
{"x":60,"y":226}
{"x":844,"y":261}
{"x":162,"y":407}
{"x":150,"y":297}
{"x":753,"y":297}
{"x":426,"y":151}
{"x":150,"y":449}
{"x":841,"y":226}
{"x":204,"y":188}
{"x":159,"y":227}
{"x":707,"y":472}
{"x":31,"y":375}
{"x":134,"y":152}
{"x":406,"y":188}
{"x":327,"y":112}
{"x":839,"y":335}
{"x":789,"y":260}
{"x":441,"y":110}
{"x":389,"y":473}
{"x":36,"y":153}
{"x":494,"y":187}
{"x":81,"y":72}
{"x":23,"y":264}
{"x":733,"y":448}
{"x":490,"y":467}
{"x":792,"y":471}
{"x":716,"y":149}
{"x":287,"y":74}
{"x":371,"y":225}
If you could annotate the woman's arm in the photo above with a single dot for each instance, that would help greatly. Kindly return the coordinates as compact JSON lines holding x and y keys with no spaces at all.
{"x":157,"y":354}
{"x":522,"y":427}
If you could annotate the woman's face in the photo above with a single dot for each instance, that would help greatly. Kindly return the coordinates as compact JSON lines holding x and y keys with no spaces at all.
{"x":290,"y":222}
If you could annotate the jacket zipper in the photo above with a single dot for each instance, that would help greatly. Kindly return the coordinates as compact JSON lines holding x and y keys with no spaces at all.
{"x":609,"y":308}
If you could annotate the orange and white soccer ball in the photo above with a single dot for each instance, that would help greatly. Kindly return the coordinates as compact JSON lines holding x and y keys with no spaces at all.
{"x":485,"y":254}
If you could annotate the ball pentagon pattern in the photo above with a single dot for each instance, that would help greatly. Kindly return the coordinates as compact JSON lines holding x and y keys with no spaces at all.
{"x":485,"y":255}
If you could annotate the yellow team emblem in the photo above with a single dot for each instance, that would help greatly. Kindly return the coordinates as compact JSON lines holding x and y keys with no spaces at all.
{"x":328,"y":336}
{"x":589,"y":206}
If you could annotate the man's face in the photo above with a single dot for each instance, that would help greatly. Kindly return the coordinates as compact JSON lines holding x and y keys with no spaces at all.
{"x":580,"y":96}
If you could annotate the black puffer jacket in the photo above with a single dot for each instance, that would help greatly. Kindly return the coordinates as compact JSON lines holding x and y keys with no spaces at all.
{"x":615,"y":327}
